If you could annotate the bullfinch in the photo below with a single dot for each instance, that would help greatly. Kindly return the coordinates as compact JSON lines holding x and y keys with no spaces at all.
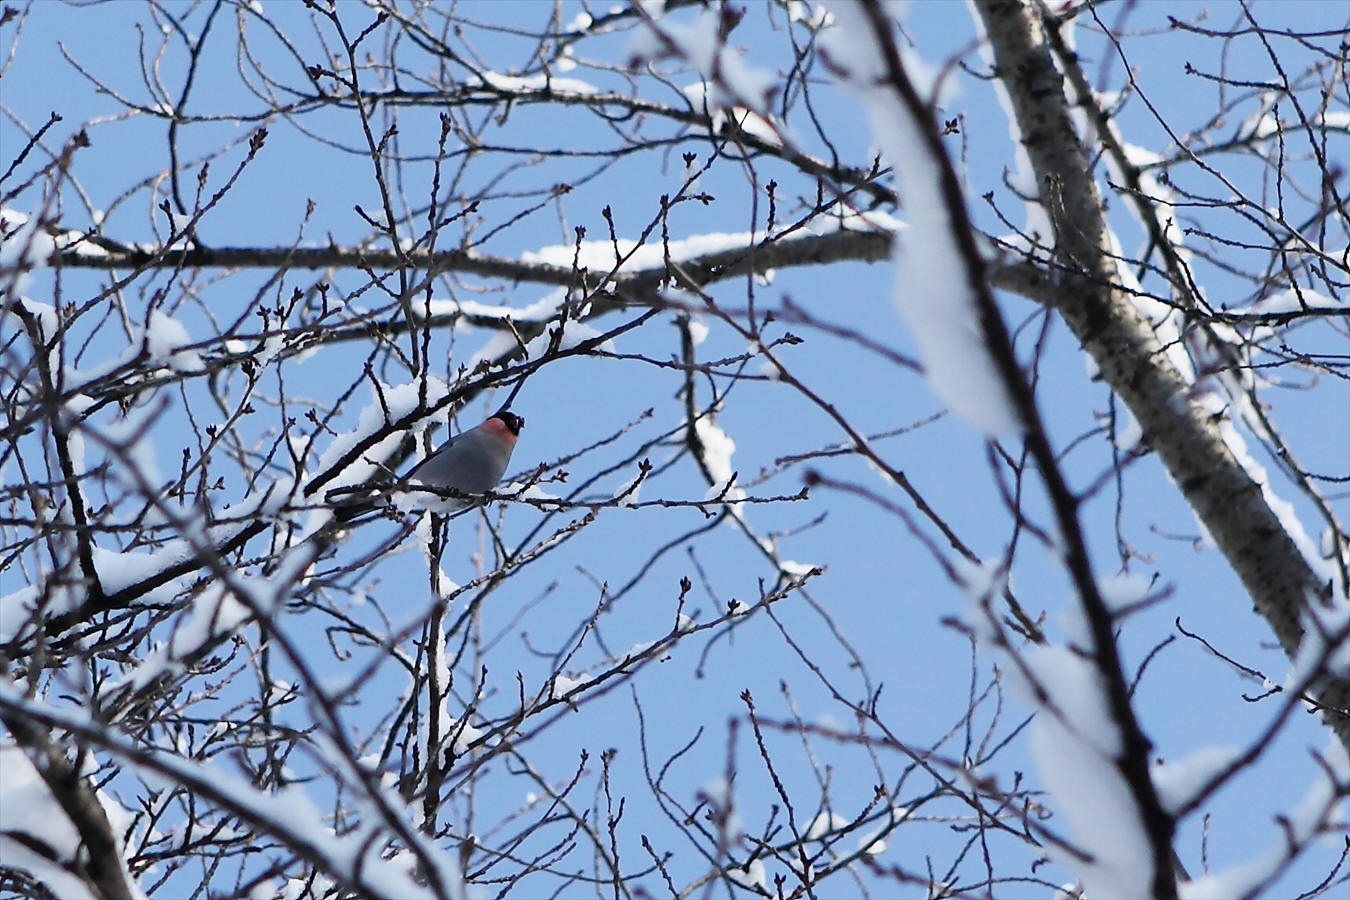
{"x":473,"y":461}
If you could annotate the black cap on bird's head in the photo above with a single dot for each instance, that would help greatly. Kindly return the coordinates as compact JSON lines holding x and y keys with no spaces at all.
{"x":512,"y":421}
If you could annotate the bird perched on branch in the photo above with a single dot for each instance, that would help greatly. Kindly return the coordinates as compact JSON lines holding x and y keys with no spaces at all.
{"x":471,"y":462}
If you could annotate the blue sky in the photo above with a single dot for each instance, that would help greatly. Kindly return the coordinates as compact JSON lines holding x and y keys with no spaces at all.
{"x":882,"y":591}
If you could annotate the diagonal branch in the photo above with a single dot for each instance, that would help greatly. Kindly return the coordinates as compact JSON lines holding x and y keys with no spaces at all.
{"x":1225,"y":497}
{"x":1131,"y":759}
{"x":100,"y":866}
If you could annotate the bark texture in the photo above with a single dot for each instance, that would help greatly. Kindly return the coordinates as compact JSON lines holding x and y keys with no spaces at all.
{"x":1131,"y":359}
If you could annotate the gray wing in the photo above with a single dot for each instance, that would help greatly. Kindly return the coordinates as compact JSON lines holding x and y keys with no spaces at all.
{"x":472,"y":462}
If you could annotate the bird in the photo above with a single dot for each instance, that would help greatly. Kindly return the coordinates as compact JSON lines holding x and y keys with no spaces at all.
{"x":471,"y":462}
